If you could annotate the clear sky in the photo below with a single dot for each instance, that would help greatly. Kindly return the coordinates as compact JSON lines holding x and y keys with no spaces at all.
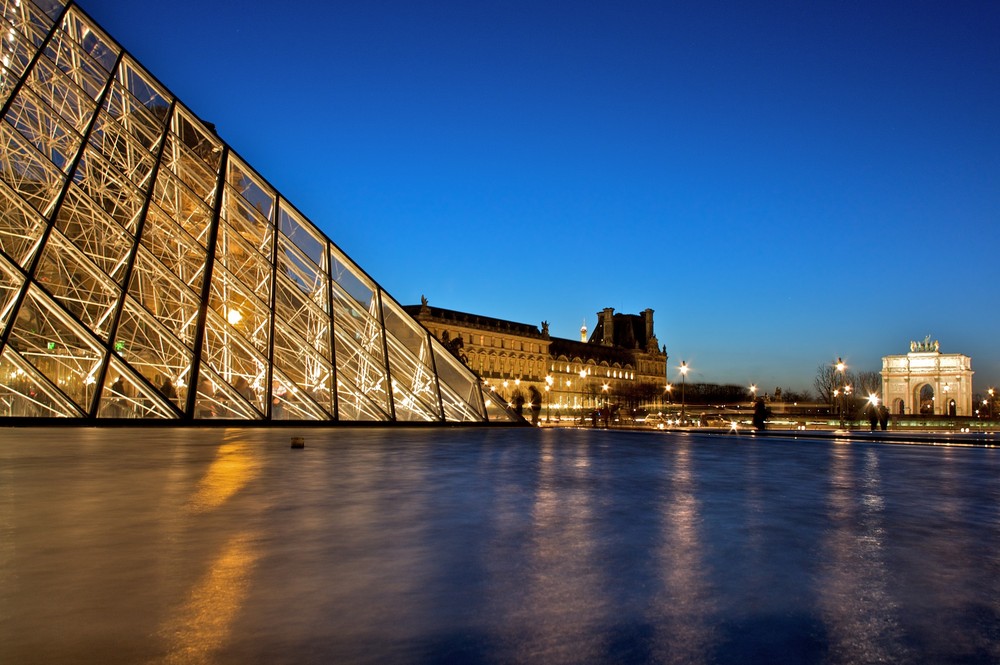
{"x":782,"y":182}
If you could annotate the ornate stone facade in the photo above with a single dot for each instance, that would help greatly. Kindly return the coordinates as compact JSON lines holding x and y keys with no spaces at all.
{"x":620,"y":364}
{"x":926,"y":381}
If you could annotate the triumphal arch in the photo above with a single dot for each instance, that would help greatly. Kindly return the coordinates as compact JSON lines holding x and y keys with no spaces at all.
{"x":926,"y":381}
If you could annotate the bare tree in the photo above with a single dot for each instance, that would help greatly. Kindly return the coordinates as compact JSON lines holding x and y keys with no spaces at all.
{"x":868,"y":383}
{"x":827,"y":380}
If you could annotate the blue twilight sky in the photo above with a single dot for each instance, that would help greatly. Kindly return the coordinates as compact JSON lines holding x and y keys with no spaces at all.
{"x":782,"y":182}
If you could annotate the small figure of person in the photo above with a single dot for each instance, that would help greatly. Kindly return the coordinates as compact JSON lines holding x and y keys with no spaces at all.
{"x":760,"y":415}
{"x":168,"y":390}
{"x":873,"y":417}
{"x":118,"y":397}
{"x":206,"y":399}
{"x":278,"y":394}
{"x":883,"y":417}
{"x":535,"y":400}
{"x":519,"y":404}
{"x":245,"y":390}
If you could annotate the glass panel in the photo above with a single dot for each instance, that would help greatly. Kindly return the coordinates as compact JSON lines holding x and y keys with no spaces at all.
{"x":244,"y":313}
{"x":231,"y":357}
{"x":29,"y":174}
{"x":217,"y":399}
{"x":24,"y":393}
{"x":162,"y":294}
{"x":197,"y":143}
{"x":43,"y":129}
{"x":144,"y":89}
{"x":128,"y":396}
{"x":310,"y":282}
{"x":51,"y":8}
{"x":129,"y":156}
{"x":252,"y":188}
{"x":94,"y":233}
{"x":145,"y":126}
{"x":304,"y":368}
{"x":355,"y":405}
{"x":288,"y":402}
{"x":176,"y":250}
{"x":61,"y":94}
{"x":154,"y":353}
{"x":189,"y":169}
{"x":77,"y":284}
{"x":414,"y":389}
{"x":179,"y":202}
{"x":253,"y":229}
{"x":303,"y":235}
{"x":109,"y":189}
{"x":461,"y":395}
{"x":91,"y":41}
{"x":58,"y":347}
{"x":351,"y":280}
{"x":298,"y":312}
{"x":20,"y":226}
{"x":496,"y":410}
{"x":11,"y":281}
{"x":359,"y":353}
{"x":23,"y":29}
{"x":243,"y":261}
{"x":78,"y":67}
{"x":410,"y":364}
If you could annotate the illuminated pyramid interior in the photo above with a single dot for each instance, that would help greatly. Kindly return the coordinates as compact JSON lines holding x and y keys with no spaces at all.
{"x":147,"y":272}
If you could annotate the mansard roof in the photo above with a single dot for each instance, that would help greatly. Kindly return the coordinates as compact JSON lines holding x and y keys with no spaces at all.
{"x":440,"y":314}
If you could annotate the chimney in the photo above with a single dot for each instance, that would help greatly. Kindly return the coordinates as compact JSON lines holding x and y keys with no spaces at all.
{"x":647,"y":315}
{"x":608,"y":318}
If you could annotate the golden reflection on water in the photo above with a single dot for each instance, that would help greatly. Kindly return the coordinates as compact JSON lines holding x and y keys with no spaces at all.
{"x":204,"y":623}
{"x":201,"y":626}
{"x":686,"y":602}
{"x":235,"y":465}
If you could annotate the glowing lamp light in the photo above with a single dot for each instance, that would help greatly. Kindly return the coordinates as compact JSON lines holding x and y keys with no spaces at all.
{"x":234,"y":316}
{"x":873,"y":399}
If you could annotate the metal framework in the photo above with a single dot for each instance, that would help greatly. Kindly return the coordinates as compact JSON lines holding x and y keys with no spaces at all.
{"x":147,"y":272}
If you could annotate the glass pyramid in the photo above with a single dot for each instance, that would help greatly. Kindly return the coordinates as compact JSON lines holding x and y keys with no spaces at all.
{"x":147,"y":272}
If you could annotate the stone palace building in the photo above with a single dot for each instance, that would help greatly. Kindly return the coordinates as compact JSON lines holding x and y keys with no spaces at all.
{"x":620,"y":363}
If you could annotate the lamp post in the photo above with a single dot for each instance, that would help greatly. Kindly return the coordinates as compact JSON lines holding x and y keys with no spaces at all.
{"x":753,"y":393}
{"x":684,"y":370}
{"x":548,"y":395}
{"x":990,"y":391}
{"x":841,"y":370}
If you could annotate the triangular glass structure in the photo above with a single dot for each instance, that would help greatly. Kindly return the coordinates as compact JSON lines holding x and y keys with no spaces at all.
{"x":147,"y":272}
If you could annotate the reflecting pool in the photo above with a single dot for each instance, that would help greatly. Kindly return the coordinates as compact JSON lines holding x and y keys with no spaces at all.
{"x":493,"y":546}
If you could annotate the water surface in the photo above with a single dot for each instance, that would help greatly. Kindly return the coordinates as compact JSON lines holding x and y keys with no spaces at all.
{"x":493,"y":546}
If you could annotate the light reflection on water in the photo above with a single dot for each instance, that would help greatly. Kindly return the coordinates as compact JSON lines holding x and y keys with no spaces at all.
{"x":493,"y":546}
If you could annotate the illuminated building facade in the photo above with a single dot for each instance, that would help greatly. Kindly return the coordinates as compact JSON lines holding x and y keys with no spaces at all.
{"x":619,"y":364}
{"x":148,"y":272}
{"x":926,"y":381}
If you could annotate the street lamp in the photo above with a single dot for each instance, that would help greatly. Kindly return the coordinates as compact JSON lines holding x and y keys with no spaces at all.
{"x":753,"y":392}
{"x":990,"y":391}
{"x":842,"y":370}
{"x":684,"y":370}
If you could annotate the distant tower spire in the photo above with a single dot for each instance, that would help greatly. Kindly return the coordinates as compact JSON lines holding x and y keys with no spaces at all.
{"x":583,"y":331}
